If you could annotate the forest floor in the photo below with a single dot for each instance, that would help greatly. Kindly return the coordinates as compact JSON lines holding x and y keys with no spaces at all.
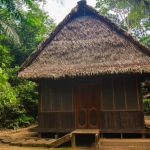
{"x":23,"y":132}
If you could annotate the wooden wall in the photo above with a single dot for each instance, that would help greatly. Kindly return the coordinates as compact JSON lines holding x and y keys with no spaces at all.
{"x":108,"y":120}
{"x":54,"y":121}
{"x":124,"y":120}
{"x":64,"y":121}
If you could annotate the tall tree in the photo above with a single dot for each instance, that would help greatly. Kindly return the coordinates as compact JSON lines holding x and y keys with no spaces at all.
{"x":134,"y":15}
{"x":10,"y":16}
{"x":7,"y":25}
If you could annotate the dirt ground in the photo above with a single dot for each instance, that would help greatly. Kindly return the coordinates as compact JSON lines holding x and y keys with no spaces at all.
{"x":8,"y":147}
{"x":23,"y":132}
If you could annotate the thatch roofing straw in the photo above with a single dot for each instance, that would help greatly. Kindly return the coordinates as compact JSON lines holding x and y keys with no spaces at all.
{"x":86,"y":45}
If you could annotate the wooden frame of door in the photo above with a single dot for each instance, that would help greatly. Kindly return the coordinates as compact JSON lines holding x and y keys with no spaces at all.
{"x":87,"y":110}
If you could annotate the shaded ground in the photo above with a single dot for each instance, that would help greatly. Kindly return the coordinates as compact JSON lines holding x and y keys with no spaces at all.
{"x":23,"y":132}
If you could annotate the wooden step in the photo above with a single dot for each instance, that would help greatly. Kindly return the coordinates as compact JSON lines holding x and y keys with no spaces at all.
{"x":61,"y":140}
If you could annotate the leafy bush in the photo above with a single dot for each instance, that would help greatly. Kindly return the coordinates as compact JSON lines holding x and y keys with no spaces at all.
{"x":28,"y":98}
{"x":146,"y":99}
{"x":146,"y":105}
{"x":17,"y":107}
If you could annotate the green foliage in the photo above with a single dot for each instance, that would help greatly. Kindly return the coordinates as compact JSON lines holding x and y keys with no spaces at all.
{"x":145,"y":40}
{"x":3,"y":79}
{"x":28,"y":97}
{"x":7,"y":24}
{"x":18,"y":104}
{"x":5,"y":58}
{"x":146,"y":105}
{"x":146,"y":98}
{"x":12,"y":15}
{"x":18,"y":97}
{"x":134,"y":16}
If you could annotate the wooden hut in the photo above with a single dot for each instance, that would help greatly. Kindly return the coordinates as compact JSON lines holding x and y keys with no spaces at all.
{"x":89,"y":72}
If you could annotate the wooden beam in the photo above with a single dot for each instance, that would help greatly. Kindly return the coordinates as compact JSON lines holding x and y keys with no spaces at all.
{"x":123,"y":131}
{"x":48,"y":130}
{"x":61,"y":140}
{"x":96,"y":141}
{"x":39,"y":135}
{"x":73,"y":142}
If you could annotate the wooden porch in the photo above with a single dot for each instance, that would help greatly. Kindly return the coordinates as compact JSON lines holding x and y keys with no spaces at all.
{"x":96,"y":132}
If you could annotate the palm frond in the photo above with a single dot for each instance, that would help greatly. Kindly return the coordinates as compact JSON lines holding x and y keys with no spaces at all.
{"x":7,"y":27}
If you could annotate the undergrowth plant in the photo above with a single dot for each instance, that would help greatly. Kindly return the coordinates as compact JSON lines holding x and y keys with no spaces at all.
{"x":146,"y":105}
{"x":18,"y":104}
{"x":146,"y":96}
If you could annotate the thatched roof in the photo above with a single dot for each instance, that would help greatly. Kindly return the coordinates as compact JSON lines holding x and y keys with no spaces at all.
{"x":86,"y":43}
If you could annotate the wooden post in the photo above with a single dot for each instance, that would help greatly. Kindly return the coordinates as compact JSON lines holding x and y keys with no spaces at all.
{"x":39,"y":135}
{"x":143,"y":136}
{"x":73,"y":141}
{"x":102,"y":135}
{"x":56,"y":136}
{"x":121,"y":135}
{"x":96,"y":141}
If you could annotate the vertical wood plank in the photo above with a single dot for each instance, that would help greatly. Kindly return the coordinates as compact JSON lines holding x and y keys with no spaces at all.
{"x":57,"y":120}
{"x":122,"y":120}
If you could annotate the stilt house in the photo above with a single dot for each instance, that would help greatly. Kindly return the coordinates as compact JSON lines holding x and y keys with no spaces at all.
{"x":89,"y":72}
